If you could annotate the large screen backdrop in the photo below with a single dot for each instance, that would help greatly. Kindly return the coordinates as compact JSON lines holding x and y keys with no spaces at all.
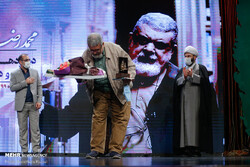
{"x":51,"y":32}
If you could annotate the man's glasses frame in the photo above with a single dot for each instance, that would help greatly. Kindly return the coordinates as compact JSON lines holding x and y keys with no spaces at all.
{"x":142,"y":40}
{"x":26,"y":60}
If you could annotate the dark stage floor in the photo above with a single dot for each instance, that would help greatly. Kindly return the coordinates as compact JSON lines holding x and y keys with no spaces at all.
{"x":77,"y":160}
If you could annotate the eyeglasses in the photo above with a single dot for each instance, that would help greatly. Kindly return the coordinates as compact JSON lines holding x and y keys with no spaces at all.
{"x":95,"y":50}
{"x":26,"y":60}
{"x":142,"y":40}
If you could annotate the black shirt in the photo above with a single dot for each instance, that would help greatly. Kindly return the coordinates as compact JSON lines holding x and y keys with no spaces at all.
{"x":29,"y":96}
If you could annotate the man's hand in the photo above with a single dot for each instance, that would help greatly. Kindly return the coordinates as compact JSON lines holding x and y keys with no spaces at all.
{"x":126,"y":81}
{"x":190,"y":72}
{"x":94,"y":71}
{"x":30,"y":80}
{"x":185,"y":72}
{"x":38,"y":105}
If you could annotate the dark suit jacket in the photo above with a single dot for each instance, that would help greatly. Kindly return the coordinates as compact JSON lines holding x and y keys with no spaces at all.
{"x":159,"y":115}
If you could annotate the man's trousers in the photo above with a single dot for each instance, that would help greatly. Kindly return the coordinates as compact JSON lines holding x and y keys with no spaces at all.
{"x":29,"y":111}
{"x":103,"y":102}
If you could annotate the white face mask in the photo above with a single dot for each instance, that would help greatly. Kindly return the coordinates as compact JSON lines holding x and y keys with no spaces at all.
{"x":26,"y":64}
{"x":188,"y":61}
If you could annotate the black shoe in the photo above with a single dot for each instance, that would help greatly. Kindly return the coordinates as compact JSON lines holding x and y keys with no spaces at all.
{"x":93,"y":155}
{"x":183,"y":152}
{"x":194,"y":151}
{"x":114,"y":155}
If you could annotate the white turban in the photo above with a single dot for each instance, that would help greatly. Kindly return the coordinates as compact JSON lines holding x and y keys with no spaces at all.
{"x":192,"y":50}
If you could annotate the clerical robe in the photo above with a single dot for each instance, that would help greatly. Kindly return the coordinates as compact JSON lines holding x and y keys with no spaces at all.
{"x":192,"y":110}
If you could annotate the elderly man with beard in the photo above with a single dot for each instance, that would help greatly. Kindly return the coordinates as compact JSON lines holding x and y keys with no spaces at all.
{"x":107,"y":94}
{"x":151,"y":46}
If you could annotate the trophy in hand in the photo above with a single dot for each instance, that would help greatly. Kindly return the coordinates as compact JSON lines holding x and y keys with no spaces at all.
{"x":123,"y":70}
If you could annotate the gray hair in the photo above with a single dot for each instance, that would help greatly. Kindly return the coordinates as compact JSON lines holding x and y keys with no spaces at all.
{"x":159,"y":22}
{"x":94,"y":39}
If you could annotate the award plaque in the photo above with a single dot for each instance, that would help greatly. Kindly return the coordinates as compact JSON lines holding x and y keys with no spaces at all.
{"x":123,"y":67}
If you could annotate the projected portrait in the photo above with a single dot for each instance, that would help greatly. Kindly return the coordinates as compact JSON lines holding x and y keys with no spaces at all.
{"x":151,"y":46}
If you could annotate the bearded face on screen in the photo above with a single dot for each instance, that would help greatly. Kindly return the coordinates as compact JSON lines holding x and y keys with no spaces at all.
{"x":151,"y":43}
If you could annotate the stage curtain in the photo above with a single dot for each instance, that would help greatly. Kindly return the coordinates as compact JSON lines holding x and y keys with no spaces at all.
{"x":235,"y":135}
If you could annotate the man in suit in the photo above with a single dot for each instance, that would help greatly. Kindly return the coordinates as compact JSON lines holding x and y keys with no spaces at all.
{"x":26,"y":84}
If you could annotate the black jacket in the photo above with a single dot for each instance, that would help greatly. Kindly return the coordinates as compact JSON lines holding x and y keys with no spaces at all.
{"x":159,"y":115}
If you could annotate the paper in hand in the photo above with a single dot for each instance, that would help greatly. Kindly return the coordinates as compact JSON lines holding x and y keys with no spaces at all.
{"x":127,"y":92}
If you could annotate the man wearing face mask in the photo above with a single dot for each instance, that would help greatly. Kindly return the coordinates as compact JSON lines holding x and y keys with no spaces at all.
{"x":26,"y":84}
{"x":192,"y":108}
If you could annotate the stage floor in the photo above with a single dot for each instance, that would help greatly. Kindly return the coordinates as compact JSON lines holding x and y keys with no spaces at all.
{"x":214,"y":161}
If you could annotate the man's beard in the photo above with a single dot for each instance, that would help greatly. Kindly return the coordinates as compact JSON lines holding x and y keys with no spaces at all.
{"x":146,"y":69}
{"x":97,"y":56}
